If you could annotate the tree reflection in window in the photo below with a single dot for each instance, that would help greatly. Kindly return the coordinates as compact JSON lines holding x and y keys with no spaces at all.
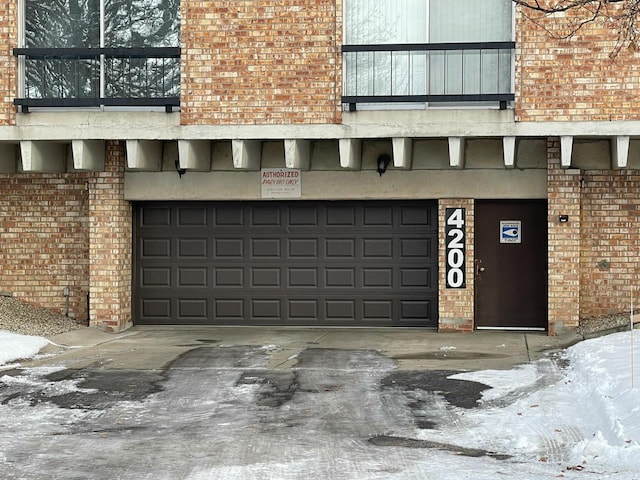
{"x":78,"y":24}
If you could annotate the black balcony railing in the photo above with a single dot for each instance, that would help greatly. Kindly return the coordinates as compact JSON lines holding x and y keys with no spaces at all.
{"x":96,"y":77}
{"x":428,"y":73}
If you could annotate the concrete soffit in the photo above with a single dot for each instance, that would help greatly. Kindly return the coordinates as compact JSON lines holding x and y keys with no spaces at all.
{"x":350,"y":153}
{"x":297,"y":154}
{"x":456,"y":152}
{"x":246,"y":154}
{"x":194,"y":155}
{"x":43,"y":156}
{"x":144,"y":155}
{"x":8,"y":157}
{"x":620,"y":151}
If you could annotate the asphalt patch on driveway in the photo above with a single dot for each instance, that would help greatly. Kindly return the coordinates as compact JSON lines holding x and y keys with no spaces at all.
{"x":389,"y":441}
{"x":460,"y":393}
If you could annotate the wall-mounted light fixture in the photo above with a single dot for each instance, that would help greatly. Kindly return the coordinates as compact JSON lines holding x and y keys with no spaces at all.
{"x":181,"y":171}
{"x":383,"y":163}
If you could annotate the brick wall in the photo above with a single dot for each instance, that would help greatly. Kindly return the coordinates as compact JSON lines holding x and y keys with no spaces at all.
{"x":573,"y":79}
{"x":110,"y":243}
{"x":8,"y":35}
{"x":261,"y":61}
{"x":564,"y":242}
{"x":44,"y":227}
{"x":611,"y":234}
{"x":456,"y":306}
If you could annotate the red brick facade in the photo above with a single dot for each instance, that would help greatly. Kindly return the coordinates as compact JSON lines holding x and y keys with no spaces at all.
{"x":261,"y":62}
{"x":8,"y":83}
{"x":574,"y":79}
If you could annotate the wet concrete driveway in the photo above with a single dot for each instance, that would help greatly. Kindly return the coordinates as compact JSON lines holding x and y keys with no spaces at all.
{"x":212,"y":409}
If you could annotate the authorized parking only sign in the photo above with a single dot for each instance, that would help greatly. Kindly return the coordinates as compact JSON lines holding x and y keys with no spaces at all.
{"x":510,"y":231}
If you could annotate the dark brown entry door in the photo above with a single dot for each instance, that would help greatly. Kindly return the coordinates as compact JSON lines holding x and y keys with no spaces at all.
{"x":511,"y":264}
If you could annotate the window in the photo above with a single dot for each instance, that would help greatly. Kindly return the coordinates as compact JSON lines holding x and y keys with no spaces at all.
{"x":431,"y":50}
{"x":101,"y":49}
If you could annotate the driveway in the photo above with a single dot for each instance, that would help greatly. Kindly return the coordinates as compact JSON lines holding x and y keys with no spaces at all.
{"x":244,"y":404}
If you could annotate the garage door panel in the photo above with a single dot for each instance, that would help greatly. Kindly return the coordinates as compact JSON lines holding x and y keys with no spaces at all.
{"x":229,"y":309}
{"x":265,"y":248}
{"x":377,"y":216}
{"x":265,"y":278}
{"x":299,"y":248}
{"x":266,"y":216}
{"x":377,"y":277}
{"x":228,"y":277}
{"x":192,"y":277}
{"x":340,"y":248}
{"x":303,"y":310}
{"x":192,"y":247}
{"x":340,"y":278}
{"x":192,"y":217}
{"x":377,"y":248}
{"x":155,"y":248}
{"x":268,"y":309}
{"x":286,"y":263}
{"x":156,"y":217}
{"x":302,"y":278}
{"x":193,"y":308}
{"x":155,"y":277}
{"x":228,"y":248}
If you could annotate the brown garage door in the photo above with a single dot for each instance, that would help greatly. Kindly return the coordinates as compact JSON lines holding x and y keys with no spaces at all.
{"x":286,"y":263}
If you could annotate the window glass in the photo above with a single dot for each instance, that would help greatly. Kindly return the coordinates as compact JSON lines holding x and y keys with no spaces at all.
{"x":78,"y":24}
{"x":432,"y":72}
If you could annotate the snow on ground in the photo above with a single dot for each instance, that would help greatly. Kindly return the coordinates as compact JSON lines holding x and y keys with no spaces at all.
{"x":582,"y":421}
{"x":15,"y":347}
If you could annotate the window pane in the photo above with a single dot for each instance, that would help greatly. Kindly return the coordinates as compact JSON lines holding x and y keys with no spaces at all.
{"x":385,"y":21}
{"x":142,"y":23}
{"x":62,"y":23}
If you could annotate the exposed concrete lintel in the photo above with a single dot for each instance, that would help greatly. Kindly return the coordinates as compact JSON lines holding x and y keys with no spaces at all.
{"x":350,"y":153}
{"x":246,"y":154}
{"x":620,"y":151}
{"x":88,"y":155}
{"x":402,"y":152}
{"x":456,"y":152}
{"x":566,"y":149}
{"x":509,"y":151}
{"x":144,"y":155}
{"x":194,"y":155}
{"x":44,"y":156}
{"x":297,"y":154}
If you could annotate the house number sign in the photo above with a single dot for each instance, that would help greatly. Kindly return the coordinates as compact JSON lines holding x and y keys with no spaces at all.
{"x":456,"y":247}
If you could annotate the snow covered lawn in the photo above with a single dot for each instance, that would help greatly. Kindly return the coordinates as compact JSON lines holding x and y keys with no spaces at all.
{"x":15,"y":347}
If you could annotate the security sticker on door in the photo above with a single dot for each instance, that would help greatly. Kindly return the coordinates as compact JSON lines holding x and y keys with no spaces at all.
{"x":510,"y":231}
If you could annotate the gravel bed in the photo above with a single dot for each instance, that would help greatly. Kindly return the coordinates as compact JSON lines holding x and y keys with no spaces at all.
{"x":25,"y":319}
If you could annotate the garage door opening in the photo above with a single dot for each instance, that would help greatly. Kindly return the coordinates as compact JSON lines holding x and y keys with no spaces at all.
{"x":298,"y":263}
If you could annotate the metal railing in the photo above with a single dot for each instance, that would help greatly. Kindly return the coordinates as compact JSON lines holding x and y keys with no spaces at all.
{"x":428,"y":73}
{"x":96,"y":77}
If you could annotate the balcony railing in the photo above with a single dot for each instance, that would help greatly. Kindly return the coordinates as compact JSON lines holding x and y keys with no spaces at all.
{"x":429,"y":73}
{"x":96,"y":77}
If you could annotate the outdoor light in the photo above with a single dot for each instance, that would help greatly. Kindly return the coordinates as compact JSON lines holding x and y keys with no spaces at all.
{"x":181,"y":171}
{"x":383,"y":163}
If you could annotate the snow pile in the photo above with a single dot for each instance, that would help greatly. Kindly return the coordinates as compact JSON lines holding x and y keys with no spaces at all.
{"x":584,"y":417}
{"x":15,"y":347}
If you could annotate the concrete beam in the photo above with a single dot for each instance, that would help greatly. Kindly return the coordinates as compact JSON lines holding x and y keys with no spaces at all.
{"x":350,"y":153}
{"x":195,"y":155}
{"x":246,"y":154}
{"x":509,"y":151}
{"x":297,"y":154}
{"x":88,"y":155}
{"x":566,"y":149}
{"x":8,"y":158}
{"x":43,"y":156}
{"x":456,"y":152}
{"x":620,"y":151}
{"x":144,"y":155}
{"x":402,"y":152}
